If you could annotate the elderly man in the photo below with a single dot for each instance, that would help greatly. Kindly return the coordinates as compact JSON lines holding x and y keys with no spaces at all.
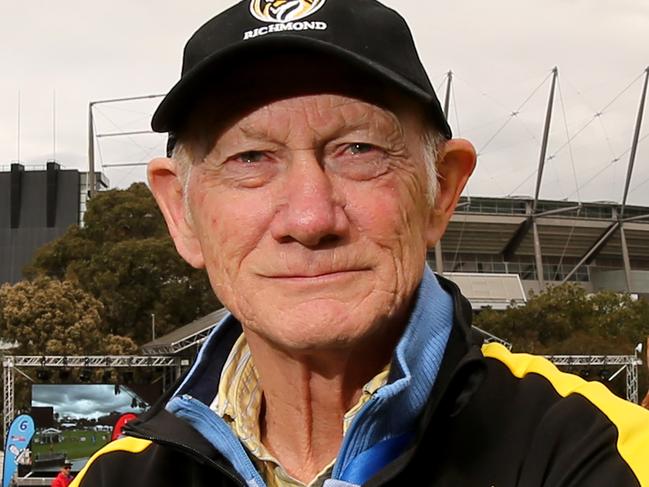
{"x":310,"y":170}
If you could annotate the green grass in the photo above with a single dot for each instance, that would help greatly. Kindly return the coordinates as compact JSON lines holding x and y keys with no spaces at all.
{"x":72,"y":444}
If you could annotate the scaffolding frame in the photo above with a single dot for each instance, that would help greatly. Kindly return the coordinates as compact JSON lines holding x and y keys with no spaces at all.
{"x":184,"y":343}
{"x":11,"y":364}
{"x":628,"y":363}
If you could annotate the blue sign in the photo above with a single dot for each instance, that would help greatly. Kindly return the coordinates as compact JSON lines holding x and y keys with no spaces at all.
{"x":19,"y":436}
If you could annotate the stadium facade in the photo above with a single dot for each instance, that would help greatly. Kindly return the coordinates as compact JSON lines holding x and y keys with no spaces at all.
{"x":601,"y":245}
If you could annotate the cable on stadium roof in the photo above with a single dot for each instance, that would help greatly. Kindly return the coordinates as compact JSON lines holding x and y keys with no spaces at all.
{"x":515,"y":113}
{"x":572,"y":158}
{"x":615,"y":160}
{"x":596,"y":116}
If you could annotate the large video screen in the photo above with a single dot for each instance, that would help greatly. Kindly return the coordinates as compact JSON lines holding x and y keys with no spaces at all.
{"x":74,"y":420}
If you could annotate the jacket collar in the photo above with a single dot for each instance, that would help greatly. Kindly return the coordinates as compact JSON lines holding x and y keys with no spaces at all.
{"x":462,"y":359}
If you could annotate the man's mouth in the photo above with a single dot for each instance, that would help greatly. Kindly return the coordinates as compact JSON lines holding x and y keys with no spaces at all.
{"x":317,"y":275}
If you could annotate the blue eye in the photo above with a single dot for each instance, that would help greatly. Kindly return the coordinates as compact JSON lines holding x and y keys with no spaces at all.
{"x":360,"y":148}
{"x":250,"y":157}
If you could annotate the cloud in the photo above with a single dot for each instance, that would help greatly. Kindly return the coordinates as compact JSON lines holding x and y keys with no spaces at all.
{"x":81,"y":400}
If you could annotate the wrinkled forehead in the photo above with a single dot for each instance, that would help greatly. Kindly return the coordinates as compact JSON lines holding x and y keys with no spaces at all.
{"x":260,"y":80}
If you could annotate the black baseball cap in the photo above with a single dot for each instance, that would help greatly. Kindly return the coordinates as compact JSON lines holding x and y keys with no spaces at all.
{"x":364,"y":33}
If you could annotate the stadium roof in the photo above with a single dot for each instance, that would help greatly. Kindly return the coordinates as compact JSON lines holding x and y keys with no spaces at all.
{"x":501,"y":226}
{"x":185,"y":336}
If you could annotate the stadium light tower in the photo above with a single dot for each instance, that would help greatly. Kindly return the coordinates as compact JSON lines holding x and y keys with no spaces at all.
{"x":91,"y":135}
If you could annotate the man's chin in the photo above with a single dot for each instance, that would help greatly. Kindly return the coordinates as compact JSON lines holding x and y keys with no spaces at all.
{"x":321,"y":325}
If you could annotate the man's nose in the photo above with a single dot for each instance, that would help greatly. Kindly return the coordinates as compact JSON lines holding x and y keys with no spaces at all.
{"x":311,"y":210}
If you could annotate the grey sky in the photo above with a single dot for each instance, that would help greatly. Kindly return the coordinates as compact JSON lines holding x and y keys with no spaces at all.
{"x":81,"y":401}
{"x":500,"y":52}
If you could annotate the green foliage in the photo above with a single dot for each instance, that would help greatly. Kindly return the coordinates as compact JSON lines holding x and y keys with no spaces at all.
{"x":50,"y":317}
{"x":568,"y":320}
{"x":125,"y":258}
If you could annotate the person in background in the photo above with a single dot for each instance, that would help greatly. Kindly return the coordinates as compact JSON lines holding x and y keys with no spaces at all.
{"x":64,"y":477}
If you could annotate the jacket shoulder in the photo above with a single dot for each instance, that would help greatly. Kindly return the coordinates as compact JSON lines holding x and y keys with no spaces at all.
{"x":108,"y":459}
{"x":630,"y":421}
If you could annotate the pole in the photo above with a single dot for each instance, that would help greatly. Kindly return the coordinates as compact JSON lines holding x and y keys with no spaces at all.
{"x":439,"y":256}
{"x":592,"y":250}
{"x":546,"y":136}
{"x":538,"y":256}
{"x":18,"y":132}
{"x":447,"y":98}
{"x":152,"y":326}
{"x":626,"y":259}
{"x":54,"y":125}
{"x":634,"y":146}
{"x":91,"y":153}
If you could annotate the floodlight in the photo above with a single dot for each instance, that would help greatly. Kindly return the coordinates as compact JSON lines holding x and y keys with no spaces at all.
{"x":43,"y":374}
{"x":85,"y":375}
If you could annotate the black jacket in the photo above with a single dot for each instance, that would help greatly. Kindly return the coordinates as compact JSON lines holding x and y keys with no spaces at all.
{"x":493,"y":419}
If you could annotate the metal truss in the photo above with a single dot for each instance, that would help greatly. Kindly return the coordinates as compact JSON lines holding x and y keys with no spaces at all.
{"x":490,"y":338}
{"x":594,"y":360}
{"x":632,"y":383}
{"x":629,"y":363}
{"x":206,"y":325}
{"x":8,"y":394}
{"x":10,"y":364}
{"x":95,"y":361}
{"x":182,"y":344}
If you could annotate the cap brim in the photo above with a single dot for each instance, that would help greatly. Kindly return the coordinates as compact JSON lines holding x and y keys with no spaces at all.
{"x":173,"y":109}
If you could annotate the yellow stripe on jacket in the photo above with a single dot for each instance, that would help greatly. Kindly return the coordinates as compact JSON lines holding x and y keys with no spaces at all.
{"x":631,"y":420}
{"x":132,"y":445}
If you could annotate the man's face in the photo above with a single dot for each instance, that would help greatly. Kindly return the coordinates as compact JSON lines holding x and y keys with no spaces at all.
{"x":311,"y":217}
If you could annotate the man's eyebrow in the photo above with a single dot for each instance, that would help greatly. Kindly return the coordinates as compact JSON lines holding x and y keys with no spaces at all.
{"x":382,"y":120}
{"x":253,"y":131}
{"x":387,"y":126}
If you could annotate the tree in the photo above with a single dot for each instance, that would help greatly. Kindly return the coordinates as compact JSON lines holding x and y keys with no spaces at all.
{"x":566,"y":320}
{"x":50,"y":317}
{"x":125,"y":258}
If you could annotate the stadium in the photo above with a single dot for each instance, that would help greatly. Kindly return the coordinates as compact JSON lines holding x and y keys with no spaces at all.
{"x":585,"y":243}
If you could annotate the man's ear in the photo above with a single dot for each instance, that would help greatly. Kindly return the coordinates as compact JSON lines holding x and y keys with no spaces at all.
{"x":455,"y":165}
{"x":167,"y":188}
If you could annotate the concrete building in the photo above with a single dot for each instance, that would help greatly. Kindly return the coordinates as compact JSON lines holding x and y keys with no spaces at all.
{"x":37,"y":205}
{"x":589,"y":243}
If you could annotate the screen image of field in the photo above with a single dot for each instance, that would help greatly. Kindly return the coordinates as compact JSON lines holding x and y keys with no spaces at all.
{"x":73,"y":444}
{"x":75,"y":420}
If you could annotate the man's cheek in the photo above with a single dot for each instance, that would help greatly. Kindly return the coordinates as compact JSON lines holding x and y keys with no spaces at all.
{"x":382,"y":221}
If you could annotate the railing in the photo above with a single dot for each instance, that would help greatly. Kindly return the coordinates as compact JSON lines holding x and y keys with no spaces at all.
{"x":519,"y":207}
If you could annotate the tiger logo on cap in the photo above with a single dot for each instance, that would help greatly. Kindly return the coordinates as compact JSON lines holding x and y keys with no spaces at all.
{"x":284,"y":10}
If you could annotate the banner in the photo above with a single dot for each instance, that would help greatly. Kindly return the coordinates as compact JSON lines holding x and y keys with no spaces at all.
{"x":19,"y":436}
